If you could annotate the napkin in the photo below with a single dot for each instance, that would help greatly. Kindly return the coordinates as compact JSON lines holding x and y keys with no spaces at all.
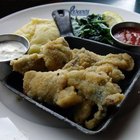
{"x":8,"y":131}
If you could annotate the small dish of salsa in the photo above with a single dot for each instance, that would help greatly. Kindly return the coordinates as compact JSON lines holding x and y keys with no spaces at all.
{"x":126,"y":35}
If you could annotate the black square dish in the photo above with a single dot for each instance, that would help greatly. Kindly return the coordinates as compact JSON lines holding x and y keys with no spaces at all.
{"x":14,"y":82}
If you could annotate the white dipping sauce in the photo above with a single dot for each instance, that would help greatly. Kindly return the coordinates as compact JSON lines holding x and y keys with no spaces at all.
{"x":10,"y":50}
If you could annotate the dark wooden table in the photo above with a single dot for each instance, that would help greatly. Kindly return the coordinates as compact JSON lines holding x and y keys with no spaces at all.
{"x":10,"y":6}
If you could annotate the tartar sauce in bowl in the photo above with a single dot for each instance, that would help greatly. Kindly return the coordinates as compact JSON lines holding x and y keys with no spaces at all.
{"x":12,"y":46}
{"x":11,"y":49}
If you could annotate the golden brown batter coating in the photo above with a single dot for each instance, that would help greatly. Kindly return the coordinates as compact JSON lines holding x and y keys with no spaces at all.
{"x":76,"y":78}
{"x":56,"y":54}
{"x":123,"y":61}
{"x":44,"y":86}
{"x":83,"y":59}
{"x":111,"y":70}
{"x":69,"y":88}
{"x":29,"y":62}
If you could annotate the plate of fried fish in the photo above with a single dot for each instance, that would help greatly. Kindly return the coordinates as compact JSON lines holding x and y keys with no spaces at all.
{"x":70,"y":82}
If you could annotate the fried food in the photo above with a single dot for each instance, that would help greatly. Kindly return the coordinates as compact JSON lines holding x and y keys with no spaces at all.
{"x":54,"y":55}
{"x":80,"y":80}
{"x":29,"y":62}
{"x":50,"y":87}
{"x":67,"y":97}
{"x":39,"y":32}
{"x":123,"y":61}
{"x":69,"y":88}
{"x":82,"y":59}
{"x":111,"y":70}
{"x":111,"y":64}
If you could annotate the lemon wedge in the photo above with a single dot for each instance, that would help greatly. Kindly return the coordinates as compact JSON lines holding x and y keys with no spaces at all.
{"x":111,"y":18}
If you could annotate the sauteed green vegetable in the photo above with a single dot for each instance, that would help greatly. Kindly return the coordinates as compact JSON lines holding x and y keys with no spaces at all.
{"x":92,"y":27}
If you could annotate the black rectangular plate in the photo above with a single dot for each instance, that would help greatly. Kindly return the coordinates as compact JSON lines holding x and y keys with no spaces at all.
{"x":14,"y":82}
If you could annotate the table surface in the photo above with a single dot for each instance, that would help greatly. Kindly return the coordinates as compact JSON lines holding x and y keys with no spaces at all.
{"x":10,"y":6}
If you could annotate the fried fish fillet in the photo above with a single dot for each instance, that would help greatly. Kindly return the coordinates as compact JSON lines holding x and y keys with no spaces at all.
{"x":122,"y":60}
{"x":29,"y":62}
{"x":83,"y":59}
{"x":112,"y":71}
{"x":69,"y":88}
{"x":111,"y":64}
{"x":50,"y":87}
{"x":54,"y":55}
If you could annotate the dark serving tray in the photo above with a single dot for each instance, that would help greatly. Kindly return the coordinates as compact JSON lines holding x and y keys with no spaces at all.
{"x":14,"y":82}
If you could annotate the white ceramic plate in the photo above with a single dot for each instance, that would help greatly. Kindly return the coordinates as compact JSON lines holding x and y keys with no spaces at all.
{"x":35,"y":124}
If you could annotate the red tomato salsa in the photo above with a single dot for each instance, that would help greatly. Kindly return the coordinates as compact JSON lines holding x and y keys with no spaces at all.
{"x":128,"y":35}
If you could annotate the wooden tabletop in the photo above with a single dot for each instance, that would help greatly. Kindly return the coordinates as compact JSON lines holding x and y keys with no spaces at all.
{"x":10,"y":6}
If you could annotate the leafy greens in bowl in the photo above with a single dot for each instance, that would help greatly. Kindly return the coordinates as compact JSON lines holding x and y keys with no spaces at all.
{"x":96,"y":26}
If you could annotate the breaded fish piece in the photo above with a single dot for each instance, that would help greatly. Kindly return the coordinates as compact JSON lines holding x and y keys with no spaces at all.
{"x":82,"y":59}
{"x":67,"y":97}
{"x":111,"y":64}
{"x":69,"y":88}
{"x":29,"y":62}
{"x":122,"y":60}
{"x":92,"y":85}
{"x":56,"y":53}
{"x":50,"y":87}
{"x":111,"y":70}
